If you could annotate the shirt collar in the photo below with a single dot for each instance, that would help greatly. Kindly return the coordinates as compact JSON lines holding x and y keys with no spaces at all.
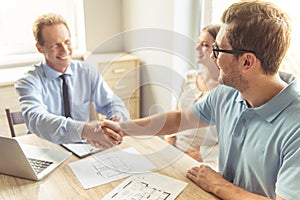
{"x":277,"y":104}
{"x":53,"y":74}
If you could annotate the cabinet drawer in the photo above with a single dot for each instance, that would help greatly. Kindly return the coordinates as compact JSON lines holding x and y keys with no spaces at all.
{"x":115,"y":70}
{"x":133,"y":106}
{"x":124,"y":88}
{"x":9,"y":98}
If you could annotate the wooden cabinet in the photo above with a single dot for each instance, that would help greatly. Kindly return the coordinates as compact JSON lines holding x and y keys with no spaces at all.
{"x":9,"y":99}
{"x":121,"y":72}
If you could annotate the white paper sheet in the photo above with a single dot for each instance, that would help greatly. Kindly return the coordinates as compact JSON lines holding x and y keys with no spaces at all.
{"x":101,"y":169}
{"x":150,"y":186}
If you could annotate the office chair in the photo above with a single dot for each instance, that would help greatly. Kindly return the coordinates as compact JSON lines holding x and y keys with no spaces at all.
{"x":14,"y":118}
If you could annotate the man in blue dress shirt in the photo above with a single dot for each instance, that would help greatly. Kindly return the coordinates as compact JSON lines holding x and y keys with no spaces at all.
{"x":41,"y":94}
{"x":256,"y":109}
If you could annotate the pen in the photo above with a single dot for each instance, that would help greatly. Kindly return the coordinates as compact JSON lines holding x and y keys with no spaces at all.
{"x":82,"y":142}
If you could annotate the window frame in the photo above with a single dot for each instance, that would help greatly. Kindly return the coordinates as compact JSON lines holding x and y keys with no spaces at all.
{"x":74,"y":15}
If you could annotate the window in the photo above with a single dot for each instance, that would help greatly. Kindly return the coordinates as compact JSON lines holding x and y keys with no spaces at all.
{"x":17,"y":44}
{"x":292,"y":60}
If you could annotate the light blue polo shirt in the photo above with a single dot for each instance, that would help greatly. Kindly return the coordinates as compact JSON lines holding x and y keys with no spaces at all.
{"x":259,"y":147}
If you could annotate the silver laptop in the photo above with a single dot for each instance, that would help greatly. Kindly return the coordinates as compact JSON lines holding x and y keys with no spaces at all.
{"x":28,"y":161}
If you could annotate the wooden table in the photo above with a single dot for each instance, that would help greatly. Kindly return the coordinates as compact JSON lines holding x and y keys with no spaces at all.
{"x":63,"y":184}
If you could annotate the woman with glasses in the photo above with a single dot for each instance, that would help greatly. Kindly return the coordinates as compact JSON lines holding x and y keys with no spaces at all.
{"x":201,"y":144}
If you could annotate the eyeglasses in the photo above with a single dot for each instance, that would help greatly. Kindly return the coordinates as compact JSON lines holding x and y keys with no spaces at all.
{"x":216,"y":50}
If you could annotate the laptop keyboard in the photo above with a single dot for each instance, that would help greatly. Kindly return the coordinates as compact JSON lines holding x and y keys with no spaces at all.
{"x":39,"y":165}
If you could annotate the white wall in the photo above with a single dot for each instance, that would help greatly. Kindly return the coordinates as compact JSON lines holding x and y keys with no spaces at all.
{"x":103,"y":19}
{"x":161,"y":32}
{"x":146,"y":21}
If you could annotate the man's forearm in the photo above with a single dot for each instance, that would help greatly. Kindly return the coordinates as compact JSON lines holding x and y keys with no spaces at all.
{"x":232,"y":192}
{"x":213,"y":182}
{"x":160,"y":124}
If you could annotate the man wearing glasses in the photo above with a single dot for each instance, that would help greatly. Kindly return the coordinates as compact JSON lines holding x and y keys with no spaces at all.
{"x":256,"y":110}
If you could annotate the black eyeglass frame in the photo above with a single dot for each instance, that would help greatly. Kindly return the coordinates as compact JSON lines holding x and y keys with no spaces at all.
{"x":216,"y":50}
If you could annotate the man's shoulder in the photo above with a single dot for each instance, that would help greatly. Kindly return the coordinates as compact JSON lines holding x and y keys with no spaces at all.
{"x":223,"y":95}
{"x":34,"y":71}
{"x":79,"y":65}
{"x":33,"y":76}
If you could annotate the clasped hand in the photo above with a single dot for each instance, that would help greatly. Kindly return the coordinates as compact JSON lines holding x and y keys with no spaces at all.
{"x":103,"y":135}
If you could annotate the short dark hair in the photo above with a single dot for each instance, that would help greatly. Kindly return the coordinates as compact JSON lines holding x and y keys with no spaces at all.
{"x":261,"y":27}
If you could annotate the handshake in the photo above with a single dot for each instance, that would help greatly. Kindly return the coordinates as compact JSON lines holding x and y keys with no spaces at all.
{"x":103,"y":135}
{"x":108,"y":133}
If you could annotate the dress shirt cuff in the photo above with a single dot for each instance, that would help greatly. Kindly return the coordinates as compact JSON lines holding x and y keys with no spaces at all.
{"x":122,"y":117}
{"x":74,"y":131}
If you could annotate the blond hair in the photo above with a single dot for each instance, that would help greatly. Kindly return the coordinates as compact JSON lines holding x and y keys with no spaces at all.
{"x":46,"y":20}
